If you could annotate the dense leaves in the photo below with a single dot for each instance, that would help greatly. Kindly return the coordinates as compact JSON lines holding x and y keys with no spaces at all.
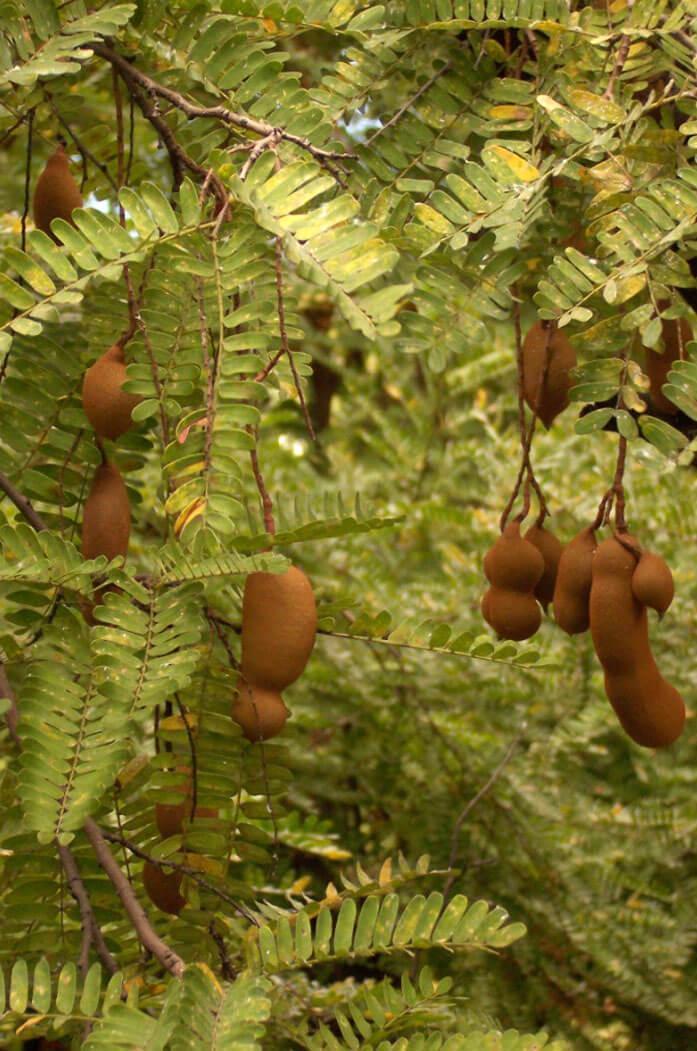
{"x":316,"y":227}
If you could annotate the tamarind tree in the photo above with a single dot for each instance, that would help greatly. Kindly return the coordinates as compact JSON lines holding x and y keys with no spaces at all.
{"x":291,"y":285}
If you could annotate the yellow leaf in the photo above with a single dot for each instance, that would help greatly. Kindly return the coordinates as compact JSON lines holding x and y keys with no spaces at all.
{"x":131,"y":770}
{"x":175,"y":722}
{"x":385,"y":876}
{"x":523,"y":170}
{"x":269,"y":25}
{"x":34,"y":1020}
{"x":300,"y":884}
{"x":191,"y":511}
{"x":510,"y":112}
{"x":204,"y":864}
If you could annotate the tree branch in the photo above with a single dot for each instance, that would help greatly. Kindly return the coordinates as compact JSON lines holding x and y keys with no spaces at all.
{"x":219,"y":113}
{"x":21,"y":503}
{"x":147,"y":936}
{"x":92,"y":934}
{"x":186,"y":870}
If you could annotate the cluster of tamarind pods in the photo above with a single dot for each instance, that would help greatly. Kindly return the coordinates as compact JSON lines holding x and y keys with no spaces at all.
{"x":279,"y":615}
{"x":605,"y":585}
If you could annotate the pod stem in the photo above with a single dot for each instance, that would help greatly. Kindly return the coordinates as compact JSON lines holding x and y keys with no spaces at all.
{"x":526,"y":470}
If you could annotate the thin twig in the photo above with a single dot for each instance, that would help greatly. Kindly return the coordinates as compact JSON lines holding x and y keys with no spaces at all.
{"x":27,"y":177}
{"x":85,"y":153}
{"x":194,"y":760}
{"x":91,"y":933}
{"x":283,"y":334}
{"x":186,"y":870}
{"x":21,"y":503}
{"x":621,"y":58}
{"x":266,"y":502}
{"x":147,"y":936}
{"x":526,"y":436}
{"x":409,"y":103}
{"x":219,"y":113}
{"x":469,"y":807}
{"x":226,"y":968}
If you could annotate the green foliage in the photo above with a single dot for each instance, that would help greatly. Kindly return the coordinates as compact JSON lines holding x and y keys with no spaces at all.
{"x":332,"y":211}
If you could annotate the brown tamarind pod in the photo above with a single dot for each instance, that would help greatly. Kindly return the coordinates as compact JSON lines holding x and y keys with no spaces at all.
{"x":170,"y":818}
{"x":548,"y":358}
{"x":163,"y":888}
{"x":652,"y":582}
{"x":56,"y":193}
{"x":513,"y":562}
{"x":676,"y":333}
{"x":550,"y":548}
{"x":279,"y":623}
{"x":572,"y":590}
{"x":650,"y":709}
{"x":260,"y":712}
{"x":106,"y":516}
{"x":106,"y":405}
{"x":513,"y":615}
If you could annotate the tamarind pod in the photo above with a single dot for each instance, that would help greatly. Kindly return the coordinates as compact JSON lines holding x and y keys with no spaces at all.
{"x":652,"y":582}
{"x":547,"y":392}
{"x":56,"y":193}
{"x":513,"y":562}
{"x":279,"y":623}
{"x":573,"y":586}
{"x":550,"y":548}
{"x":106,"y":516}
{"x":163,"y":888}
{"x":106,"y":405}
{"x":513,"y":614}
{"x":650,"y":710}
{"x":171,"y":817}
{"x":484,"y":605}
{"x":260,"y":712}
{"x":676,"y":332}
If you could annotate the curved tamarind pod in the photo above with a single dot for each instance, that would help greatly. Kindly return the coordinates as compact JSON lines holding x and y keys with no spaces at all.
{"x":676,"y":333}
{"x":513,"y":562}
{"x":547,"y":392}
{"x":106,"y":405}
{"x":652,"y":582}
{"x":650,"y":710}
{"x":550,"y":548}
{"x":170,"y":817}
{"x":279,"y":623}
{"x":56,"y":193}
{"x":163,"y":888}
{"x":261,"y":713}
{"x":513,"y":615}
{"x":106,"y":516}
{"x":572,"y":590}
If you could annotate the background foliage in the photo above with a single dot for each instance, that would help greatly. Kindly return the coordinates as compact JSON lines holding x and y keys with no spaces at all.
{"x":510,"y":149}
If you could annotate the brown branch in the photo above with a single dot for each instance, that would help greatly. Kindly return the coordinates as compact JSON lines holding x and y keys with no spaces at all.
{"x":621,"y":58}
{"x":148,"y":938}
{"x":409,"y":103}
{"x":21,"y":503}
{"x":194,"y":759}
{"x":266,"y":502}
{"x":186,"y":870}
{"x":526,"y":437}
{"x":285,"y":345}
{"x":91,"y":932}
{"x":219,"y":113}
{"x":226,"y":968}
{"x":85,"y":153}
{"x":27,"y":177}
